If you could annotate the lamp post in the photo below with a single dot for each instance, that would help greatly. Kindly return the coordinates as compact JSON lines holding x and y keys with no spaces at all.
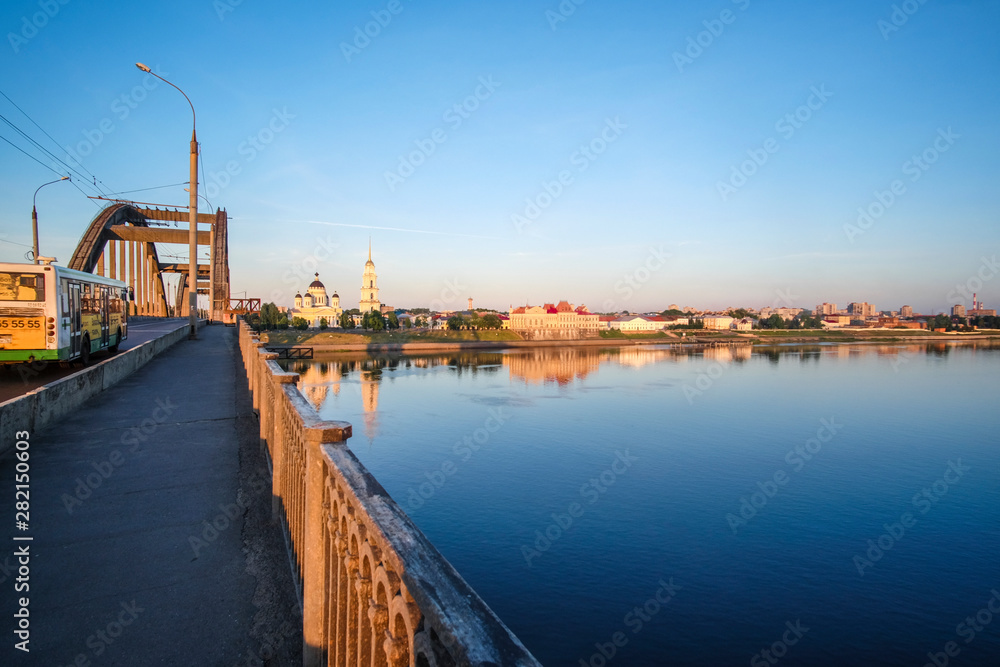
{"x":34,"y":220}
{"x":192,"y":213}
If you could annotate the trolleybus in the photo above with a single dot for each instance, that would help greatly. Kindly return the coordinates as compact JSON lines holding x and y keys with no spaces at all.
{"x":51,"y":313}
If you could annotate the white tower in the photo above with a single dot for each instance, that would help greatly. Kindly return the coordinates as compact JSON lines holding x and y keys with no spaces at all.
{"x":369,"y":286}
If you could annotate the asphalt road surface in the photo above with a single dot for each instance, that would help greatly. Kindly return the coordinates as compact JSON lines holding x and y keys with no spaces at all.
{"x":19,"y":379}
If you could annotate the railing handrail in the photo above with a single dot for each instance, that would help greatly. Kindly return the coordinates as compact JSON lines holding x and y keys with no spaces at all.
{"x":372,"y":586}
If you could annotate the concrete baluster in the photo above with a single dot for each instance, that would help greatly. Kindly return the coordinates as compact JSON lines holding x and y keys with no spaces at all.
{"x":314,"y":565}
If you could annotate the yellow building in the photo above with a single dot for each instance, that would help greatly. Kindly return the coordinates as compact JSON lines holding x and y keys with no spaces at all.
{"x":717,"y":321}
{"x":554,"y":321}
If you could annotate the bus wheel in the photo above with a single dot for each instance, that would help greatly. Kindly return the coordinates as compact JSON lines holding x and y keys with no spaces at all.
{"x":113,"y":349}
{"x":85,"y":351}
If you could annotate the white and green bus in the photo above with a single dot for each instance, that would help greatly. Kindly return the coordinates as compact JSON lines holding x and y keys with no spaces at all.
{"x":50,"y":313}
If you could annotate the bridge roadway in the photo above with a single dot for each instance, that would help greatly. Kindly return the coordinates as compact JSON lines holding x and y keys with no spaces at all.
{"x":21,"y":378}
{"x":126,"y":566}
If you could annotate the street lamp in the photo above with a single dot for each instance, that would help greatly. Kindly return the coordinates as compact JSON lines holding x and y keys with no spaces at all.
{"x":192,"y":213}
{"x":34,"y":220}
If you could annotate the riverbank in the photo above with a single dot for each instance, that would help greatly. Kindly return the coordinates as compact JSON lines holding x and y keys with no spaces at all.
{"x":442,"y":341}
{"x":409,"y":343}
{"x":445,"y":341}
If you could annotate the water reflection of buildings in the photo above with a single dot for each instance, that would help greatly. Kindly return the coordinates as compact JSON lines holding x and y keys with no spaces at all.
{"x":559,"y":365}
{"x":562,"y":366}
{"x":728,"y":354}
{"x":894,"y":352}
{"x":637,"y":357}
{"x":370,"y":380}
{"x":318,"y":379}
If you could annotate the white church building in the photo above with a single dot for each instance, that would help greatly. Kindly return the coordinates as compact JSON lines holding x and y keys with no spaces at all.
{"x":314,"y":305}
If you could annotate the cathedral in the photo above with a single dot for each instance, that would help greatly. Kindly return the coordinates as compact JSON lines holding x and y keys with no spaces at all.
{"x":315,"y":305}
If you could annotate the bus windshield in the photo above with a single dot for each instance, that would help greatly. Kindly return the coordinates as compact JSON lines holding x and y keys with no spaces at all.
{"x":22,"y":286}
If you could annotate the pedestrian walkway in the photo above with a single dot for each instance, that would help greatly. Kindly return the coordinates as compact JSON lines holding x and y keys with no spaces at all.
{"x":150,"y":518}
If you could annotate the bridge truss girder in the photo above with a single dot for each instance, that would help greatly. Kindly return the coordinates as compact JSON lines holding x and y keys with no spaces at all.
{"x":119,"y":244}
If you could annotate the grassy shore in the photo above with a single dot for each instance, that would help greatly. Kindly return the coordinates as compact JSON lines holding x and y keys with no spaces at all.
{"x":757,"y":336}
{"x":309,"y":337}
{"x":867,"y":333}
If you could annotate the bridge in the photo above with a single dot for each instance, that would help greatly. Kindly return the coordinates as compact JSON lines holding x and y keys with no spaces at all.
{"x":195,"y":509}
{"x":120,"y":243}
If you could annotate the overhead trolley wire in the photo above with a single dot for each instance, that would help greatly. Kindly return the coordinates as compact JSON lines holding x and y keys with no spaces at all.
{"x":46,"y":151}
{"x":158,"y":187}
{"x":51,"y":138}
{"x":49,"y":167}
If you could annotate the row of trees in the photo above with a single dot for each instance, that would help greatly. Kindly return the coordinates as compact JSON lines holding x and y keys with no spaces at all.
{"x":476,"y":321}
{"x":271,"y":319}
{"x":949,"y":323}
{"x":800,"y":322}
{"x":373,"y":321}
{"x":268,"y":319}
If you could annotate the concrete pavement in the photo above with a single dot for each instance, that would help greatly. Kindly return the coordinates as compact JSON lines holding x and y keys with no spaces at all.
{"x":19,"y":379}
{"x":150,"y":518}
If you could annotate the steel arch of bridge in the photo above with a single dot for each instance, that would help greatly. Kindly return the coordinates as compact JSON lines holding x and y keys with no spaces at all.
{"x":119,"y":244}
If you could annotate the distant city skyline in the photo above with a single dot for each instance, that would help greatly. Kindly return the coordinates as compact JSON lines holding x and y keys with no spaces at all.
{"x":735,"y":154}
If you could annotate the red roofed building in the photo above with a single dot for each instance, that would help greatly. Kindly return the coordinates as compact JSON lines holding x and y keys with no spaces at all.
{"x":554,"y":321}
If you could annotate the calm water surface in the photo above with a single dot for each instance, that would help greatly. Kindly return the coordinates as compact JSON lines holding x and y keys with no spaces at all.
{"x":832,"y":505}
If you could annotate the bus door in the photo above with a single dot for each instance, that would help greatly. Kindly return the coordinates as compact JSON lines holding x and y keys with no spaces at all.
{"x":105,"y":314}
{"x":74,"y":319}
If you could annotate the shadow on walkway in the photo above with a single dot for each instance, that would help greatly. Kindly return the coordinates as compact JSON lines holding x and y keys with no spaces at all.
{"x":150,"y":518}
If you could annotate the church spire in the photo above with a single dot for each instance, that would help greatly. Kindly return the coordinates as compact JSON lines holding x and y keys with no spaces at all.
{"x":369,"y":285}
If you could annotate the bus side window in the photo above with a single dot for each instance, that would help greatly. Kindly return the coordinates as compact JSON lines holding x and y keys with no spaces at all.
{"x":87,"y":296}
{"x":64,"y":297}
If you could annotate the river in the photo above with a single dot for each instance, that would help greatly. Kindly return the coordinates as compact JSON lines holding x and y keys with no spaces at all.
{"x":808,"y":505}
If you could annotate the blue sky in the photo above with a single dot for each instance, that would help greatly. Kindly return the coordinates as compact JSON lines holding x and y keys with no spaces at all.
{"x":309,"y":118}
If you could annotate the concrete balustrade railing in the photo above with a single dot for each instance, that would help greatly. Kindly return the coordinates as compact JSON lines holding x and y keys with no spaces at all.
{"x":374,"y":590}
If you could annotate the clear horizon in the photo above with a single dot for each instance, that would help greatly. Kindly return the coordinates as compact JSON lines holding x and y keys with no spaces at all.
{"x":728,"y":154}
